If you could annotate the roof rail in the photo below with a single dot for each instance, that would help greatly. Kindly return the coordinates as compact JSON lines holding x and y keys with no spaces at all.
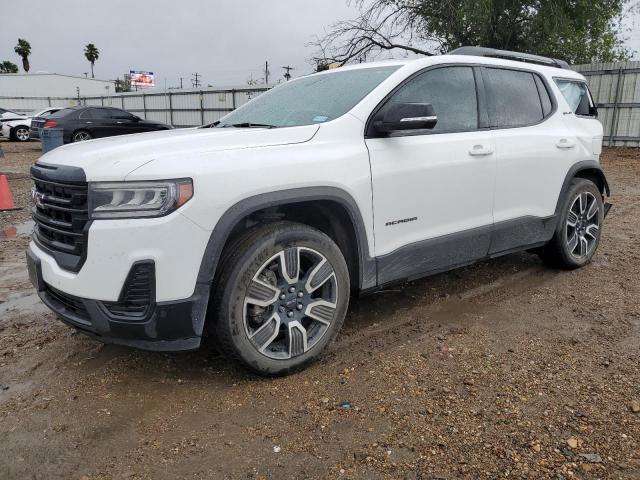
{"x":507,"y":55}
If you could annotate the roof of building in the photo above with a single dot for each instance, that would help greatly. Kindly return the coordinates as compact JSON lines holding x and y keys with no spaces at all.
{"x":42,"y":74}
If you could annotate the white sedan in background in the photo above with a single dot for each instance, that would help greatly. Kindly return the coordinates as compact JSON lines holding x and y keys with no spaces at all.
{"x":20,"y":129}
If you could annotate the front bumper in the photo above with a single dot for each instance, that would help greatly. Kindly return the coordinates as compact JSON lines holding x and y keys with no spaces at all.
{"x":169,"y":326}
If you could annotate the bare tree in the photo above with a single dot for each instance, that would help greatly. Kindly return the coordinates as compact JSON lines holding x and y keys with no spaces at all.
{"x":382,"y":26}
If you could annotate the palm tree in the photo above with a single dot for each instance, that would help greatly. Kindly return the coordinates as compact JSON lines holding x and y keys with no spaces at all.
{"x":92,"y":54}
{"x":8,"y":67}
{"x":23,"y":48}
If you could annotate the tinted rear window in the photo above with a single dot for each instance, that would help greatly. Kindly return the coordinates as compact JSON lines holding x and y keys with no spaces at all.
{"x":514,"y":100}
{"x":49,"y":113}
{"x":62,"y":113}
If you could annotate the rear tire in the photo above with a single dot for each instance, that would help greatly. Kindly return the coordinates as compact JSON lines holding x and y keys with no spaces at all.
{"x":577,"y":234}
{"x":280,"y":298}
{"x":80,"y":136}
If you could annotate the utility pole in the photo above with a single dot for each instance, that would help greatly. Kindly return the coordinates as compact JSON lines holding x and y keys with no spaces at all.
{"x":180,"y":82}
{"x":195,"y":81}
{"x":266,"y":73}
{"x":287,"y":73}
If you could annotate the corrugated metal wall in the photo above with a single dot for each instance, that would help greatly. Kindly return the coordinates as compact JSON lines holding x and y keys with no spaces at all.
{"x":616,"y":90}
{"x":180,"y":108}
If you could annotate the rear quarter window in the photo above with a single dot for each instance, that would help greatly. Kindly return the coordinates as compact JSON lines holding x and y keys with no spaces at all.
{"x":577,"y":95}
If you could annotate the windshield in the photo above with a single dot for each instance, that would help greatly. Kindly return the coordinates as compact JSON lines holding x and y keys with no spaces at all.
{"x":309,"y":100}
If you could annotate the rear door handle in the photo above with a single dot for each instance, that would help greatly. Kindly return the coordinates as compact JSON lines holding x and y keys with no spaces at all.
{"x":480,"y":150}
{"x":565,"y":143}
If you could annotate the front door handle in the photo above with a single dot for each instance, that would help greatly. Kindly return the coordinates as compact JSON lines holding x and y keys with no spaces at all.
{"x":565,"y":143}
{"x":480,"y":150}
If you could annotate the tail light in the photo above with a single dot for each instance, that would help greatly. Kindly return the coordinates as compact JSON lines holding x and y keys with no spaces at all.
{"x":50,"y":124}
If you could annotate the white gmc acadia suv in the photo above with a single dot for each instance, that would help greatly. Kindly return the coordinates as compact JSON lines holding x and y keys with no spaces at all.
{"x":257,"y":228}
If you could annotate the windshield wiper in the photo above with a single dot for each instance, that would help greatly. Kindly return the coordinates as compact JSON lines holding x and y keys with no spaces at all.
{"x":249,"y":125}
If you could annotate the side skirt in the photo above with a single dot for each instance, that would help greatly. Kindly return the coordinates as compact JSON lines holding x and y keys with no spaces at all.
{"x":448,"y":252}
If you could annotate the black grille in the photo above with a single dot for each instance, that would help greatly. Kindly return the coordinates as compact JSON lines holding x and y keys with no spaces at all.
{"x":71,"y":304}
{"x":61,"y":214}
{"x":138,"y":294}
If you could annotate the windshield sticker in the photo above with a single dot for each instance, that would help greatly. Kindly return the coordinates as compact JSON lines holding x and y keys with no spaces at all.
{"x":320,"y":119}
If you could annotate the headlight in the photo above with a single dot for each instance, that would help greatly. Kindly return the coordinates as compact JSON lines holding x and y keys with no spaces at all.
{"x":138,"y":199}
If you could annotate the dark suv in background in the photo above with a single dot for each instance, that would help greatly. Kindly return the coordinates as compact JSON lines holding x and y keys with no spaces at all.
{"x":85,"y":123}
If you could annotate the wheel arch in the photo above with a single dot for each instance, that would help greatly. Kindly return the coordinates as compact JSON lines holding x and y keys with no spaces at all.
{"x":588,"y":169}
{"x":329,"y":209}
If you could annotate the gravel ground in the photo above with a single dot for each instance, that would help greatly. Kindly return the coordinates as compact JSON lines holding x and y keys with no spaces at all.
{"x":502,"y":369}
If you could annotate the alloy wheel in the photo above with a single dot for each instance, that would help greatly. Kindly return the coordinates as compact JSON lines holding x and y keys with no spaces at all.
{"x":22,"y":134}
{"x":583,"y":225}
{"x":81,"y":136}
{"x":290,"y":303}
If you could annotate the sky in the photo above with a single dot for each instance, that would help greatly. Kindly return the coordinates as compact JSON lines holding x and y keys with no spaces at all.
{"x":227,"y":42}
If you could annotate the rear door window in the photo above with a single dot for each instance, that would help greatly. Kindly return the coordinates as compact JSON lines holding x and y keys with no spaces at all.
{"x":577,"y":95}
{"x":95,"y":114}
{"x":514,"y":99}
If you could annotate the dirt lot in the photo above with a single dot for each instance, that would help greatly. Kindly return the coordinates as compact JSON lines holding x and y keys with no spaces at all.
{"x":503,"y":369}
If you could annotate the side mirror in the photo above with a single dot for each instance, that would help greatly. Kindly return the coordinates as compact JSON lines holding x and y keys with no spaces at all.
{"x":406,"y":116}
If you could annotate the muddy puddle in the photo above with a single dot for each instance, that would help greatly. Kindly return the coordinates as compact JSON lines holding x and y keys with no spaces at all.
{"x":19,"y":229}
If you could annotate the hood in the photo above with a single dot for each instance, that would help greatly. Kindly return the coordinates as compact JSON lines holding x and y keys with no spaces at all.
{"x":15,"y":123}
{"x":111,"y":159}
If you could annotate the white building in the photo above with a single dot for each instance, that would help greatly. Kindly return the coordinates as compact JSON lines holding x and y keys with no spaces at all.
{"x":52,"y":85}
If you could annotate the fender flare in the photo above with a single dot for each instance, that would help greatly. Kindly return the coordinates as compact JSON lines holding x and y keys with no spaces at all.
{"x":586,"y":165}
{"x":235,"y":213}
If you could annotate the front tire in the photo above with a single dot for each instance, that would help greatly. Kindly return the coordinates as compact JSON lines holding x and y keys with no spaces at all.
{"x":281,"y":296}
{"x":20,"y":133}
{"x":577,"y":235}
